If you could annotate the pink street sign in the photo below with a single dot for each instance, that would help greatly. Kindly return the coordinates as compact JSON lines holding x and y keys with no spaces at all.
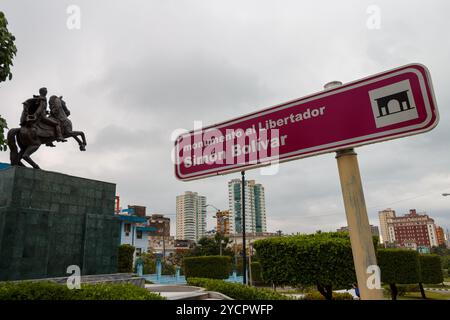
{"x":389,"y":105}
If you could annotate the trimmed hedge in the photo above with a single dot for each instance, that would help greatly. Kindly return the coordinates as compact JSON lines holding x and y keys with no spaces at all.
{"x":125,"y":258}
{"x":430,"y":269}
{"x":236,"y":290}
{"x":336,"y":296}
{"x":402,"y":289}
{"x":398,"y":266}
{"x":322,"y":259}
{"x":45,"y":290}
{"x":213,"y":267}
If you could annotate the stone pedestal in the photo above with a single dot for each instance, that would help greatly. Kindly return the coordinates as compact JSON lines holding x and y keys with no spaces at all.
{"x":50,"y":220}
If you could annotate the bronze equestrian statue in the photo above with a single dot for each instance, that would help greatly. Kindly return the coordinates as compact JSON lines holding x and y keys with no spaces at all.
{"x":39,"y":126}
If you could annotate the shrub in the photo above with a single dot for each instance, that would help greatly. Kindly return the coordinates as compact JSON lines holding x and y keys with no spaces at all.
{"x":398,"y":266}
{"x":213,"y":267}
{"x":315,"y":295}
{"x":322,"y":259}
{"x":45,"y":290}
{"x":236,"y":290}
{"x":125,"y":258}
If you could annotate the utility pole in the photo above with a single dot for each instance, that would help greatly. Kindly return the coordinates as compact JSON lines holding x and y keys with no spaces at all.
{"x":164,"y":241}
{"x":244,"y":258}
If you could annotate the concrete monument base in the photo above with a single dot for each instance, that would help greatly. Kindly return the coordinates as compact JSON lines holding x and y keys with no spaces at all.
{"x":49,"y":221}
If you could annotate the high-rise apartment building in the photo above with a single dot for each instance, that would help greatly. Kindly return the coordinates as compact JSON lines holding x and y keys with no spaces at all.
{"x":255,"y":206}
{"x":384,"y":216}
{"x":191,"y":216}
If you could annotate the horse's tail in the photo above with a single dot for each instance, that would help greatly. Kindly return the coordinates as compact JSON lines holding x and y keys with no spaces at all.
{"x":14,"y":152}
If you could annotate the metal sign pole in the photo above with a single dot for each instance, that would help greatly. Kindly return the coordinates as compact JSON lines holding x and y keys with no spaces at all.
{"x":358,"y":222}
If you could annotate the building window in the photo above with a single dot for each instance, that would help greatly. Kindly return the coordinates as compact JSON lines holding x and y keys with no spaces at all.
{"x":139,"y":234}
{"x":127,"y":229}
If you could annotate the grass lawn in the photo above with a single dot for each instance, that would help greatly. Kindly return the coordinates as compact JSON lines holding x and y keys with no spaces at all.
{"x":437,"y":286}
{"x":430,"y":296}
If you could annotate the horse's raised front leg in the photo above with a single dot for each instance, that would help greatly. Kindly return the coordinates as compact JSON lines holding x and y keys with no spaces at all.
{"x":75,"y":134}
{"x":81,"y":133}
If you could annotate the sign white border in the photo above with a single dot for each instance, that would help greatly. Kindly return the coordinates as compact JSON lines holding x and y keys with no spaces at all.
{"x":330,"y":147}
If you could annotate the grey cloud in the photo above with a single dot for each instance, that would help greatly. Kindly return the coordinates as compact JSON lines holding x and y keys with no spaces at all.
{"x":195,"y":84}
{"x":137,"y":70}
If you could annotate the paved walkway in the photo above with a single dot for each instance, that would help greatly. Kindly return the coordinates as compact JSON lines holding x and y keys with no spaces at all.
{"x":184,"y":292}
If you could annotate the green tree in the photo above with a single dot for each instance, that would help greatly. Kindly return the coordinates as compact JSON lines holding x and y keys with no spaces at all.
{"x":3,"y":126}
{"x":7,"y":49}
{"x":7,"y":52}
{"x":211,"y":246}
{"x":322,"y":259}
{"x":398,"y":266}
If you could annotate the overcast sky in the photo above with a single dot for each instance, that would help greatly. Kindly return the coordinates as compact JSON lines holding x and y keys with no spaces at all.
{"x":137,"y":70}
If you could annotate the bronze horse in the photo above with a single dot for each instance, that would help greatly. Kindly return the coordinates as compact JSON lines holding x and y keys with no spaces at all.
{"x":34,"y":131}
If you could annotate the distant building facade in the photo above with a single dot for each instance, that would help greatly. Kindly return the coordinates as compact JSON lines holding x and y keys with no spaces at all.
{"x":191,"y":216}
{"x":168,"y":245}
{"x":255,"y":206}
{"x":223,"y":222}
{"x":412,"y":230}
{"x":139,"y":211}
{"x":161,"y":223}
{"x":440,"y":236}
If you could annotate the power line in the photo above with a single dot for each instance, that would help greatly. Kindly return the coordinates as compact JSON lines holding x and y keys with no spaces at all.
{"x":369,"y":207}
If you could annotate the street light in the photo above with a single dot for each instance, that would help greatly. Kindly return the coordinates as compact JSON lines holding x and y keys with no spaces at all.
{"x":446,"y":194}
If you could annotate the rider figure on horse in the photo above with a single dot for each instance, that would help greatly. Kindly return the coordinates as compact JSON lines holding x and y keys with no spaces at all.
{"x":41,"y":115}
